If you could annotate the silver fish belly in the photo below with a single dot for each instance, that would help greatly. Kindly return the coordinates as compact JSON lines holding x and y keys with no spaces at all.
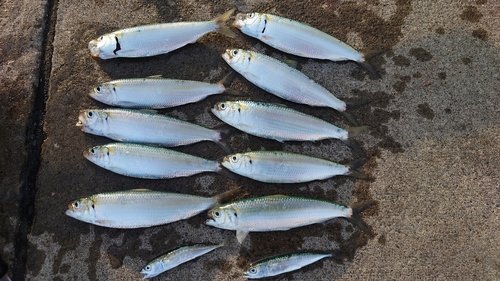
{"x":137,"y":208}
{"x":280,"y":79}
{"x":137,"y":126}
{"x":155,"y":39}
{"x":141,"y":161}
{"x":282,"y":264}
{"x":282,"y":167}
{"x":276,"y":122}
{"x":153,"y":93}
{"x":175,"y":258}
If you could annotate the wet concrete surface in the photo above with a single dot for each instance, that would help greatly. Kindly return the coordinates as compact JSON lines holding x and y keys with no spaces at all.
{"x":432,"y":146}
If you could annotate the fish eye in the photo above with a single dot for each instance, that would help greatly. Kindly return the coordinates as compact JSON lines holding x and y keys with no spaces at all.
{"x":98,"y":88}
{"x":234,"y":159}
{"x":92,"y":151}
{"x":253,"y":270}
{"x":147,"y":268}
{"x":222,"y":106}
{"x":235,"y":52}
{"x":216,"y":214}
{"x":75,"y":204}
{"x":251,"y":15}
{"x":102,"y":37}
{"x":90,"y":114}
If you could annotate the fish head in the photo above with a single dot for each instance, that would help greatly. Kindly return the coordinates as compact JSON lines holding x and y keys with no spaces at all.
{"x":81,"y":209}
{"x":256,"y":271}
{"x":98,"y":155}
{"x":93,"y":121}
{"x":238,"y":59}
{"x":105,"y":93}
{"x":152,"y":269}
{"x":251,"y":24}
{"x":226,"y":109}
{"x":225,"y":217}
{"x":104,"y":46}
{"x":240,"y":163}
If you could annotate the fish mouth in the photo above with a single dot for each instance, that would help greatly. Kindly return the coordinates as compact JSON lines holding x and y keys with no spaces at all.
{"x":147,"y":275}
{"x":94,"y":48}
{"x":238,"y":22}
{"x":81,"y":120}
{"x":210,"y":222}
{"x":226,"y":56}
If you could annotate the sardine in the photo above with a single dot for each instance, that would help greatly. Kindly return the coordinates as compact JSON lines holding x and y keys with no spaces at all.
{"x":281,"y":80}
{"x":287,"y":167}
{"x":155,"y":39}
{"x":138,"y":126}
{"x":139,"y":207}
{"x":278,"y":122}
{"x":282,"y":264}
{"x":147,"y":162}
{"x":157,"y":92}
{"x":298,"y":39}
{"x":175,"y":258}
{"x":279,"y":213}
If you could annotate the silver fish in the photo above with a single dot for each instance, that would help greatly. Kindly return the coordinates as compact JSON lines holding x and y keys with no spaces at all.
{"x":175,"y":258}
{"x":297,"y":38}
{"x":147,"y":162}
{"x":278,"y":122}
{"x":287,"y":167}
{"x":139,"y":208}
{"x":282,"y":264}
{"x":138,"y":126}
{"x":157,"y":92}
{"x":281,"y":80}
{"x":279,"y":213}
{"x":155,"y":39}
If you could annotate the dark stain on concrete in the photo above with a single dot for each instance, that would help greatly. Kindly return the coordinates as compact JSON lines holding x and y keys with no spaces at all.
{"x":481,"y":2}
{"x":442,"y":75}
{"x":425,"y":110}
{"x":447,"y":110}
{"x":417,"y":75}
{"x":471,"y":13}
{"x":382,"y":239}
{"x":480,"y":33}
{"x":420,"y":54}
{"x":466,"y":61}
{"x":400,"y":86}
{"x":440,"y":30}
{"x":401,"y":60}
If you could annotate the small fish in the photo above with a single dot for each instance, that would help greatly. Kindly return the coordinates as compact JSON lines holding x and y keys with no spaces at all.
{"x":157,"y":92}
{"x":278,"y":122}
{"x":155,"y":39}
{"x":140,"y":207}
{"x":298,"y":39}
{"x":279,"y":213}
{"x":175,"y":258}
{"x":282,"y":264}
{"x":138,"y":126}
{"x":147,"y":162}
{"x":287,"y":167}
{"x":286,"y":82}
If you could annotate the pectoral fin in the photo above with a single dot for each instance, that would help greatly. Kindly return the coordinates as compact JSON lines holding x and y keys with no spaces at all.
{"x":241,"y":235}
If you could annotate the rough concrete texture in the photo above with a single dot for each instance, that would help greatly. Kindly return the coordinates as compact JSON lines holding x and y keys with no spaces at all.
{"x":20,"y":54}
{"x":432,"y":147}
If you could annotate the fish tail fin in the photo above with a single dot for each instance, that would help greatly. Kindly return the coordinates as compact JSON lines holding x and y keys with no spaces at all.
{"x":226,"y":196}
{"x":353,"y":144}
{"x":223,"y":134}
{"x":221,"y":27}
{"x":228,"y":79}
{"x":349,"y":117}
{"x":355,"y":165}
{"x":225,"y":172}
{"x":337,"y":255}
{"x":355,"y":218}
{"x":366,"y":65}
{"x":356,"y":131}
{"x":351,"y":104}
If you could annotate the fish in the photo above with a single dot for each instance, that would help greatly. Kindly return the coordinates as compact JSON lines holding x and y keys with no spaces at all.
{"x":146,"y":127}
{"x":298,"y":39}
{"x":155,"y":39}
{"x":287,"y":167}
{"x":281,"y":264}
{"x":138,"y":208}
{"x":175,"y":258}
{"x":277,"y":78}
{"x":280,"y":213}
{"x":148,"y":162}
{"x":281,"y":123}
{"x":157,"y":92}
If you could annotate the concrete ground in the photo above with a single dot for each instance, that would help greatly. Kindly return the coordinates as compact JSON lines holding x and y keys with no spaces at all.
{"x":433,"y":143}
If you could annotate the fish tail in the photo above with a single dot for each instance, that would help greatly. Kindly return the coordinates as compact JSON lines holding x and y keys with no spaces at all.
{"x":228,"y":79}
{"x":221,"y":27}
{"x":356,"y":131}
{"x":225,"y":172}
{"x":337,"y":255}
{"x":220,"y":141}
{"x":349,"y":117}
{"x":355,"y":104}
{"x":355,"y":165}
{"x":366,"y":65}
{"x":226,"y":197}
{"x":355,"y":218}
{"x":353,"y":144}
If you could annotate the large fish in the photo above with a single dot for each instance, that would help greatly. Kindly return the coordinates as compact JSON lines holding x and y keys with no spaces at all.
{"x":278,"y":122}
{"x":282,"y":264}
{"x":155,"y":39}
{"x":279,"y":213}
{"x":148,"y":162}
{"x":279,"y":79}
{"x":299,"y":39}
{"x":287,"y":167}
{"x":138,"y":126}
{"x":175,"y":258}
{"x":139,"y":207}
{"x":157,"y":92}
